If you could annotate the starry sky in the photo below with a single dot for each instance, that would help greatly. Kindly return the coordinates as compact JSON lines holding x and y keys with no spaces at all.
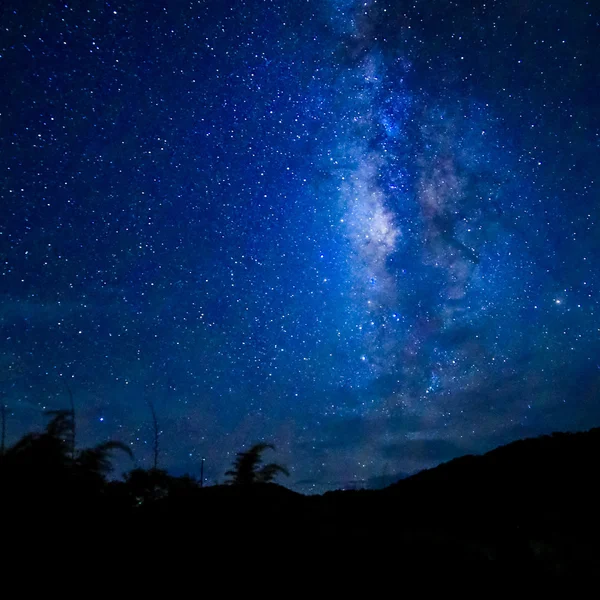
{"x":367,"y":232}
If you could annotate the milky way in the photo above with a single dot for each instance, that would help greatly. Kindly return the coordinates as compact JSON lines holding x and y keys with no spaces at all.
{"x":363,"y":231}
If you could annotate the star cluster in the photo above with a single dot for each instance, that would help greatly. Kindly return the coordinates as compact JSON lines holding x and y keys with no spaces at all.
{"x":364,"y":231}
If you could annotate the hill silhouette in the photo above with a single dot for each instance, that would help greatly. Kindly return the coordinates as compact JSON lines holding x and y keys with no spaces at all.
{"x":528,"y":508}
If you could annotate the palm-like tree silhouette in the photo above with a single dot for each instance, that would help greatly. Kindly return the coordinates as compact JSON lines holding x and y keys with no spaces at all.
{"x":247,"y":467}
{"x":51,"y":453}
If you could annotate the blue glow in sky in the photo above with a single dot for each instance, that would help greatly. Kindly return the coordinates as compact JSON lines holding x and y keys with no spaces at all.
{"x":365,"y":232}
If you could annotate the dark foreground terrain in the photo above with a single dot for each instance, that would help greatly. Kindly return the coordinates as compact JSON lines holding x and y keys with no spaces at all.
{"x":528,"y":509}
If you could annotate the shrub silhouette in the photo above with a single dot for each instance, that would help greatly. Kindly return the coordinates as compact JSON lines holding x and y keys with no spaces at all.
{"x":147,"y":486}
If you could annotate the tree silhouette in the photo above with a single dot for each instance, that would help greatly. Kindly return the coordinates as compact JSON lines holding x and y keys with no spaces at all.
{"x":62,"y":426}
{"x":47,"y":451}
{"x":145,"y":487}
{"x":156,"y":432}
{"x":47,"y":457}
{"x":93,"y":464}
{"x":247,"y":467}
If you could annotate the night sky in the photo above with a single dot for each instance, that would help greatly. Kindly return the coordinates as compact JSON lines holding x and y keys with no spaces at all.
{"x":367,"y":232}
